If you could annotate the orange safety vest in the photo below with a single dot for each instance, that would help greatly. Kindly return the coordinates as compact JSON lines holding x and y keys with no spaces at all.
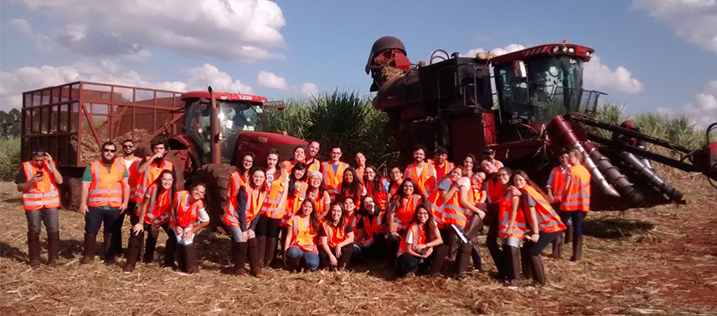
{"x":404,"y":212}
{"x":453,"y":212}
{"x":235,"y":183}
{"x":379,"y":194}
{"x":475,"y":193}
{"x":548,"y":219}
{"x":426,"y":179}
{"x":158,"y":207}
{"x":254,"y":201}
{"x":134,"y":175}
{"x":360,"y":173}
{"x":435,"y":203}
{"x":353,"y":220}
{"x":149,"y":176}
{"x":495,"y":190}
{"x":271,"y":206}
{"x":418,"y":237}
{"x":372,"y":227}
{"x":335,"y":235}
{"x":557,"y":182}
{"x":505,"y":207}
{"x":303,"y":235}
{"x":106,"y":186}
{"x":42,"y":194}
{"x":332,"y":181}
{"x":287,"y":165}
{"x":319,"y":203}
{"x":442,"y":171}
{"x":315,"y":165}
{"x":187,"y":214}
{"x":497,"y":164}
{"x":578,"y":193}
{"x":293,"y":204}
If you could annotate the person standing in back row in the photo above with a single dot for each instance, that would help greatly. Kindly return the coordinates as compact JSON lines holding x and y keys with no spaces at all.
{"x":441,"y":164}
{"x":38,"y":180}
{"x":575,"y":203}
{"x":555,"y":187}
{"x":131,"y":163}
{"x":491,"y":155}
{"x":422,"y":172}
{"x":333,"y":172}
{"x":105,"y":194}
{"x":312,"y":159}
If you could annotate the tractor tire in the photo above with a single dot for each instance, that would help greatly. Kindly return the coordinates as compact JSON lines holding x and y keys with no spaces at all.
{"x":70,"y":193}
{"x":216,"y":177}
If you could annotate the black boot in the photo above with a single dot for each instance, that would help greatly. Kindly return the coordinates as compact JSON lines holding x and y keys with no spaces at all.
{"x":108,"y":247}
{"x":261,"y":250}
{"x":254,"y":258}
{"x":526,"y":261}
{"x":150,"y":244}
{"x":88,"y":249}
{"x":514,"y":266}
{"x":346,"y":253}
{"x":438,"y":258}
{"x":462,"y":260}
{"x":170,"y":249}
{"x":270,"y":252}
{"x":292,"y":264}
{"x":569,"y":234}
{"x":191,"y":258}
{"x":53,"y":247}
{"x":538,"y":270}
{"x":577,"y":250}
{"x":33,"y":249}
{"x":557,"y":247}
{"x":181,"y":258}
{"x":132,"y":252}
{"x":475,"y":254}
{"x":239,"y":253}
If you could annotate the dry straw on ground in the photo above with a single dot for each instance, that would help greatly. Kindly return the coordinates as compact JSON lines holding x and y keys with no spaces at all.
{"x":657,"y":261}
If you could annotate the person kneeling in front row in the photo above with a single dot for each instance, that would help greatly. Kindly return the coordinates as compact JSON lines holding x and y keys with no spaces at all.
{"x":422,"y":248}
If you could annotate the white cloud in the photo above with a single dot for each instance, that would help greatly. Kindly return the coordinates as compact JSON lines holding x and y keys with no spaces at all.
{"x":13,"y":83}
{"x":237,"y":30}
{"x":693,"y":20}
{"x":272,"y":81}
{"x":702,"y":110}
{"x":597,"y":75}
{"x":309,"y":89}
{"x":497,"y":51}
{"x":42,"y":42}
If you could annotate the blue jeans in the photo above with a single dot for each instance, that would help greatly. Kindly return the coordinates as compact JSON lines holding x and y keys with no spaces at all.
{"x":37,"y":217}
{"x":309,"y":260}
{"x":577,"y":217}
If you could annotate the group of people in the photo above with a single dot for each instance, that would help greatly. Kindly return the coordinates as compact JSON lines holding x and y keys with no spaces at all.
{"x":303,"y":214}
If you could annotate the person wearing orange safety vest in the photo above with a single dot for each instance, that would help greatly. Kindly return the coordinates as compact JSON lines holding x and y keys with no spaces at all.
{"x":312,"y":160}
{"x":333,"y":172}
{"x":38,"y":180}
{"x":317,"y":193}
{"x":421,"y":248}
{"x":396,"y":177}
{"x":575,"y":199}
{"x":376,"y":186}
{"x":423,"y":173}
{"x":370,"y":231}
{"x":352,"y":217}
{"x":154,"y":215}
{"x":188,"y":217}
{"x":436,"y":204}
{"x":301,"y":250}
{"x":440,"y":163}
{"x":241,"y":176}
{"x":131,"y":163}
{"x":491,"y":155}
{"x":240,"y":216}
{"x":299,"y":155}
{"x":554,"y":188}
{"x":273,"y":210}
{"x":401,"y":211}
{"x":150,"y":169}
{"x":360,"y":166}
{"x":104,"y":196}
{"x":511,"y":226}
{"x":350,"y":186}
{"x":335,"y":238}
{"x":544,"y":223}
{"x":493,"y":190}
{"x":469,"y":164}
{"x":294,"y":195}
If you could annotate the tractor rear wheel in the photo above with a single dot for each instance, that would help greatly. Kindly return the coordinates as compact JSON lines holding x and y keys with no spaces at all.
{"x":216,"y":178}
{"x":70,"y":192}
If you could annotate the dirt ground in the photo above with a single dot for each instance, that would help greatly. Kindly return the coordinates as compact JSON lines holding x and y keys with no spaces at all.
{"x":656,"y":261}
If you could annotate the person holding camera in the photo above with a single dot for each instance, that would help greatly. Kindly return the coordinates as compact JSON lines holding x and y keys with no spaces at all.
{"x":38,"y":180}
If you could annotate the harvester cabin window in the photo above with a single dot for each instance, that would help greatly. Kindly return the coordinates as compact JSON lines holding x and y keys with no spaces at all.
{"x":513,"y":92}
{"x":555,"y":86}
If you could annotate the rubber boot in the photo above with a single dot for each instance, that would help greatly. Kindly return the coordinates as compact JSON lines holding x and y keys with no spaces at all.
{"x":170,"y":249}
{"x":239,"y":252}
{"x":577,"y":250}
{"x":270,"y":252}
{"x":132,"y":252}
{"x":108,"y":248}
{"x":439,"y":255}
{"x":117,"y":235}
{"x":526,"y":261}
{"x":346,"y":253}
{"x":33,"y":249}
{"x":475,"y":255}
{"x":181,"y":258}
{"x":569,"y":234}
{"x":53,"y":247}
{"x":513,"y":256}
{"x":557,"y":247}
{"x":261,"y":250}
{"x":538,"y":270}
{"x":150,"y":244}
{"x":462,"y":260}
{"x":254,"y":258}
{"x":88,"y":249}
{"x":191,"y":258}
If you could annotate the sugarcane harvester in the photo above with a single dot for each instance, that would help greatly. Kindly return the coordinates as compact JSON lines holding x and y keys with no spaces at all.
{"x":527,"y":105}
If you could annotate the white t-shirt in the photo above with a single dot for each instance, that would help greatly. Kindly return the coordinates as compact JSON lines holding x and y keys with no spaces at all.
{"x":464,"y":182}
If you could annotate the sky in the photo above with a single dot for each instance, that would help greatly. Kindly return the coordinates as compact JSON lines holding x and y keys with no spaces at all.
{"x":651,"y":55}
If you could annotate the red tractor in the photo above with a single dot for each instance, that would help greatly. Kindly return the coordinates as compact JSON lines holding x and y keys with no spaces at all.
{"x":538,"y":108}
{"x":207,"y":131}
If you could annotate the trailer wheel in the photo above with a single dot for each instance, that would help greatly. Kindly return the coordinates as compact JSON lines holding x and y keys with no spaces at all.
{"x":70,"y":192}
{"x":216,"y":177}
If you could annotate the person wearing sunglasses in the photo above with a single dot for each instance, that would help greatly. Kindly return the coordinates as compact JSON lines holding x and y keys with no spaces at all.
{"x":38,"y":180}
{"x":105,"y":195}
{"x":131,"y":163}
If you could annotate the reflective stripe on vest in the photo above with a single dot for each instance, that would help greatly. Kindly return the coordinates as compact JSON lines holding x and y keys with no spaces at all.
{"x":134,"y":175}
{"x":426,"y":180}
{"x":518,"y":228}
{"x":106,"y":187}
{"x":42,"y":194}
{"x":418,"y":237}
{"x":157,"y":210}
{"x":304,"y":238}
{"x":187,"y":215}
{"x":332,"y":181}
{"x":253,"y":205}
{"x":557,"y":182}
{"x":148,"y":178}
{"x":435,"y":203}
{"x":404,"y":213}
{"x":578,"y":193}
{"x":548,"y":219}
{"x":373,"y":226}
{"x":334,"y":236}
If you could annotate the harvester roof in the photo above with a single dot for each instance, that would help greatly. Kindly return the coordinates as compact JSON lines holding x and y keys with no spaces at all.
{"x":565,"y":48}
{"x":226,"y":96}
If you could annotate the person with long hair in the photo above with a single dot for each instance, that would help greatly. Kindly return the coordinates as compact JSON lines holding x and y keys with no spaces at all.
{"x":421,"y":248}
{"x":360,"y":166}
{"x":298,"y":156}
{"x":246,"y":163}
{"x":435,"y":203}
{"x":494,"y":190}
{"x":300,"y":245}
{"x":370,"y":241}
{"x":349,"y":206}
{"x":273,"y":210}
{"x":335,"y":237}
{"x":575,"y":203}
{"x":511,"y":226}
{"x":240,"y":216}
{"x":350,"y":186}
{"x":396,"y":177}
{"x":469,"y":163}
{"x":376,"y":186}
{"x":401,"y":211}
{"x":188,"y":218}
{"x":544,"y":222}
{"x":295,"y":194}
{"x":154,"y":214}
{"x":317,"y":193}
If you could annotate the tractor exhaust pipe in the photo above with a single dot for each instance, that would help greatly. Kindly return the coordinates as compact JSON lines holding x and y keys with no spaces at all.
{"x":564,"y":135}
{"x":214,"y":129}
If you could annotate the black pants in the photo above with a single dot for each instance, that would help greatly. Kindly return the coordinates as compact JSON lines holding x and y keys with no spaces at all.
{"x":268,"y":227}
{"x":577,"y":217}
{"x":343,"y":261}
{"x":406,"y":263}
{"x":491,"y":240}
{"x":133,"y":219}
{"x":96,"y":216}
{"x":535,"y":249}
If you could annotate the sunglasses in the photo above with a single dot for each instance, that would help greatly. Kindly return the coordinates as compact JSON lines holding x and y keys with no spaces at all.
{"x":38,"y":153}
{"x":128,"y":146}
{"x":110,"y":150}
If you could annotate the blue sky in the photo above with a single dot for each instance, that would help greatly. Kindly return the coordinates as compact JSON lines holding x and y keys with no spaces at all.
{"x":652,"y":55}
